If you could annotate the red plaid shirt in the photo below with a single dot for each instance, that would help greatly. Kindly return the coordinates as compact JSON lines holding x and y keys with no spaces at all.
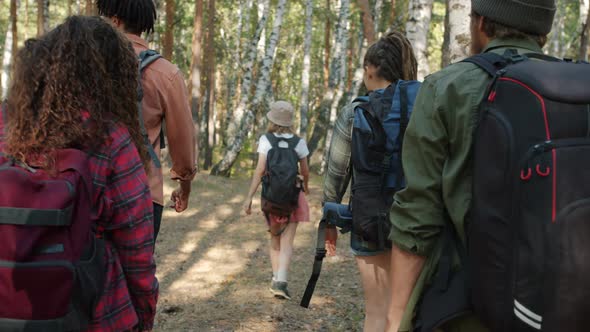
{"x":126,"y":220}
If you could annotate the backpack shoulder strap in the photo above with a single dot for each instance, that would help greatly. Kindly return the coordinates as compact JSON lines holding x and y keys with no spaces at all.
{"x":146,"y":58}
{"x":272,"y":139}
{"x":490,"y":62}
{"x":293,"y":141}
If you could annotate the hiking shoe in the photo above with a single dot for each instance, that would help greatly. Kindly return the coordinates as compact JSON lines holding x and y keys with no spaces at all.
{"x":279,"y":289}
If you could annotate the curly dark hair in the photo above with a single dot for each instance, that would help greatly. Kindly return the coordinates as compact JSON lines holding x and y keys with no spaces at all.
{"x":82,"y":65}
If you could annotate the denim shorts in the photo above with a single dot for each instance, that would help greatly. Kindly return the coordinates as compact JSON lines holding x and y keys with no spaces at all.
{"x":361,"y":247}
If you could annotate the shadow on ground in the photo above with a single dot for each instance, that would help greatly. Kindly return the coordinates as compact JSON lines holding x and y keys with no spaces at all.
{"x":214,"y":269}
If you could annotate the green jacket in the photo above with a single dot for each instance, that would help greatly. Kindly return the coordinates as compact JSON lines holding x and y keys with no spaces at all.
{"x":438,"y":163}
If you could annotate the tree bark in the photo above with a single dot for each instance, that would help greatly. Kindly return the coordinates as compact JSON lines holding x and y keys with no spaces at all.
{"x":417,"y":27}
{"x":90,"y":9}
{"x":558,"y":44}
{"x":209,"y":106}
{"x":323,"y":123}
{"x":195,"y":83}
{"x":457,"y":35}
{"x":14,"y":23}
{"x":262,"y":86}
{"x":368,"y":23}
{"x":305,"y":76}
{"x":9,"y":49}
{"x":168,"y":46}
{"x":42,"y":16}
{"x":327,"y":44}
{"x":377,"y":12}
{"x":247,"y":69}
{"x":583,"y":53}
{"x":392,"y":14}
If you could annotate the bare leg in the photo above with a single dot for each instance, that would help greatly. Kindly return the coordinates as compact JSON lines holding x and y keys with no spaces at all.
{"x":286,"y":252}
{"x":275,"y":248}
{"x":375,"y":278}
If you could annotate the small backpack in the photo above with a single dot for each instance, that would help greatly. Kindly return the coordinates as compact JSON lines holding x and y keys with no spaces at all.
{"x":280,"y":184}
{"x":379,"y":125}
{"x":146,"y":58}
{"x":52,"y":266}
{"x":529,"y":226}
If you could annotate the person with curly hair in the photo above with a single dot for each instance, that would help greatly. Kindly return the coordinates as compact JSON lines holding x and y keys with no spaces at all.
{"x":76,"y":87}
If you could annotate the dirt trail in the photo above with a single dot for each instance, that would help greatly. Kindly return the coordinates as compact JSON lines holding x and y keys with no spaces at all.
{"x":214,"y":270}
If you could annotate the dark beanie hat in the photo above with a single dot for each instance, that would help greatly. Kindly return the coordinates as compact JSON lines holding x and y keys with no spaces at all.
{"x":530,"y":16}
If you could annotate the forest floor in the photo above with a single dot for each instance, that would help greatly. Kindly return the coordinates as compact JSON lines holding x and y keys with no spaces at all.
{"x":214,"y":269}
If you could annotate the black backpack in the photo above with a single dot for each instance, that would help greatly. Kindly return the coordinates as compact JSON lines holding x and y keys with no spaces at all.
{"x":380,"y":121}
{"x":529,"y":225}
{"x":280,"y":185}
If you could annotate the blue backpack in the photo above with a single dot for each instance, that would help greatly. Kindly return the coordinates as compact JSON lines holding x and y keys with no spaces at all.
{"x":380,"y":121}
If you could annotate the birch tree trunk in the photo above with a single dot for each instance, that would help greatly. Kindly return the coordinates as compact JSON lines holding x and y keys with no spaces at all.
{"x":583,"y":53}
{"x":327,"y":44}
{"x":247,"y":69}
{"x":262,"y":86}
{"x":557,"y":43}
{"x":209,"y":105}
{"x":417,"y":27}
{"x":323,"y":125}
{"x":305,"y":76}
{"x":168,"y":45}
{"x":195,"y":83}
{"x":457,"y":35}
{"x":377,"y":16}
{"x":368,"y":23}
{"x":7,"y":57}
{"x":14,"y":24}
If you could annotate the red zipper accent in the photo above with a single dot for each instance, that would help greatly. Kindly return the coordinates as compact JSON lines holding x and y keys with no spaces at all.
{"x":548,"y":137}
{"x":492,"y":96}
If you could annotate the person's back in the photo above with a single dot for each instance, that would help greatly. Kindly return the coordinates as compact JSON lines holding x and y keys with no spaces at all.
{"x":164,"y":104}
{"x":43,"y":120}
{"x":438,"y":156}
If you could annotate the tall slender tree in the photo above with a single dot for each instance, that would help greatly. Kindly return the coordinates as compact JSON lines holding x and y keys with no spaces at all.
{"x":247,"y":78}
{"x":368,"y":23}
{"x":327,"y":43}
{"x":583,"y":53}
{"x":305,"y":75}
{"x":196,"y":59}
{"x":209,"y":105}
{"x":90,"y":8}
{"x":168,"y":45}
{"x":262,"y":87}
{"x":417,"y":27}
{"x":322,"y":124}
{"x":42,"y":10}
{"x":457,"y":34}
{"x":10,"y":47}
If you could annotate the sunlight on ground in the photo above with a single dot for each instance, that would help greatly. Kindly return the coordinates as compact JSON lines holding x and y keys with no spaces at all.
{"x":207,"y":276}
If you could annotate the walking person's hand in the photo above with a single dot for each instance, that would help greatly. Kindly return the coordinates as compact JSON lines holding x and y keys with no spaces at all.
{"x":248,"y":206}
{"x":180,"y":199}
{"x":331,"y":238}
